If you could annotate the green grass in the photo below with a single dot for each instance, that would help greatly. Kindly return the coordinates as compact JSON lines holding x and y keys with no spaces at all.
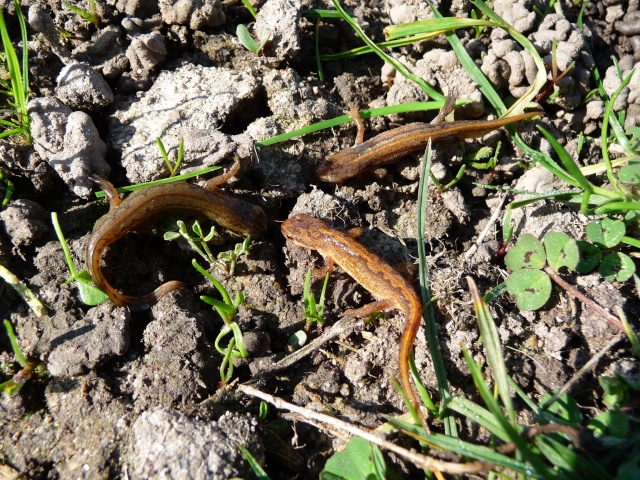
{"x":314,"y":310}
{"x":16,"y":89}
{"x":31,"y":369}
{"x":227,"y":310}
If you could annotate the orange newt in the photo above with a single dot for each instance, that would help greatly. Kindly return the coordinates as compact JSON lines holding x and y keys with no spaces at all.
{"x":392,"y":145}
{"x":390,"y":288}
{"x":143,"y":207}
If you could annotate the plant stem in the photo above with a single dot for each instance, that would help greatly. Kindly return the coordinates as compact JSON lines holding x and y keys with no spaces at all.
{"x":612,"y":319}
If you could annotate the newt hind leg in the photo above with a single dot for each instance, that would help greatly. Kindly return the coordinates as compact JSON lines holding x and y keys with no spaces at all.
{"x":368,"y":309}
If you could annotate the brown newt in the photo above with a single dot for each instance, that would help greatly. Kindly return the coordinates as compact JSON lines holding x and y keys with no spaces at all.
{"x":390,"y":288}
{"x":393,"y":144}
{"x":144,"y":207}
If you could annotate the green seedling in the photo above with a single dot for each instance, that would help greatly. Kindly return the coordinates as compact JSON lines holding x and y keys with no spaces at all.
{"x":90,"y":16}
{"x":555,"y":78}
{"x":258,"y":471}
{"x":263,"y":410}
{"x":173,"y":168}
{"x":477,"y":29}
{"x":360,"y":460}
{"x":16,"y":89}
{"x":242,"y":32}
{"x":231,"y":257}
{"x":247,"y":40}
{"x":552,"y":4}
{"x":89,"y":293}
{"x":198,"y":242}
{"x":227,"y":309}
{"x":30,"y":368}
{"x":484,"y":152}
{"x":8,"y":191}
{"x":297,"y":340}
{"x":313,"y":311}
{"x":226,"y":261}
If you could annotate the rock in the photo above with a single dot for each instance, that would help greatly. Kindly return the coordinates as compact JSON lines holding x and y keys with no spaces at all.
{"x":193,"y":103}
{"x":168,"y":444}
{"x":277,"y":21}
{"x":104,"y":52}
{"x":81,"y":87}
{"x":197,"y":14}
{"x":77,"y":346}
{"x":69,"y":142}
{"x":145,"y":53}
{"x":24,"y":222}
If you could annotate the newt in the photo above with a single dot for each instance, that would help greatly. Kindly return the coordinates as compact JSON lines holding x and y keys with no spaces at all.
{"x":392,"y":145}
{"x":144,"y":207}
{"x":390,"y":288}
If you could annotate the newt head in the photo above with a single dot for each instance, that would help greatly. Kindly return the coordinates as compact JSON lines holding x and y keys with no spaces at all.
{"x":303,"y":230}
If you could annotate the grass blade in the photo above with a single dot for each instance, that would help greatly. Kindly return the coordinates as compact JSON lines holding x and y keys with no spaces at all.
{"x":428,"y":314}
{"x":608,"y":115}
{"x":493,"y":349}
{"x":537,"y":466}
{"x":364,"y":114}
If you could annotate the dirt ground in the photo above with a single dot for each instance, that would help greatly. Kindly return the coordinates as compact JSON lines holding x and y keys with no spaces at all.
{"x":134,"y":392}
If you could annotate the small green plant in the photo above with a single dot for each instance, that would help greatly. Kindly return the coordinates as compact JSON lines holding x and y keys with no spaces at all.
{"x":360,"y":460}
{"x":90,"y":16}
{"x":30,"y":368}
{"x":231,"y":256}
{"x":258,"y":471}
{"x":250,"y":8}
{"x":297,"y":340}
{"x":173,"y":168}
{"x":89,"y":293}
{"x":478,"y":29}
{"x":247,"y":40}
{"x":263,"y":410}
{"x":531,"y":285}
{"x":618,"y":393}
{"x":552,"y":4}
{"x":242,"y":32}
{"x":195,"y":242}
{"x":555,"y":78}
{"x":225,"y":261}
{"x":227,"y":309}
{"x":16,"y":89}
{"x":8,"y":192}
{"x":314,"y":311}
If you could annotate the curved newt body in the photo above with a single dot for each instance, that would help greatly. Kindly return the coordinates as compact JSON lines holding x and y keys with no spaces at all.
{"x":394,"y":144}
{"x":369,"y":270}
{"x":144,"y":207}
